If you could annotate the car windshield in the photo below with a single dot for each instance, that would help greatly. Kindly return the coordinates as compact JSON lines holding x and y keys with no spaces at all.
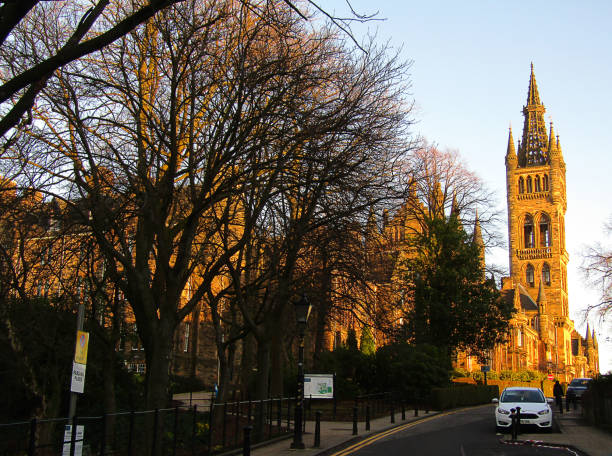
{"x":522,"y":396}
{"x":580,"y":382}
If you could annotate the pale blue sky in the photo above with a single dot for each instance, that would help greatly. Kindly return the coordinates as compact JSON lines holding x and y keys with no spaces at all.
{"x":469,"y":81}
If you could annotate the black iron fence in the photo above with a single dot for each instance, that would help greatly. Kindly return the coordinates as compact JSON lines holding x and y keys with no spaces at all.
{"x":180,"y":430}
{"x":195,"y":426}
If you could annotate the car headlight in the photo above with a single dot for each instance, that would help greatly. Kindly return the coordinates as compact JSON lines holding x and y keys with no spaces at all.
{"x":503,"y":411}
{"x":544,"y":412}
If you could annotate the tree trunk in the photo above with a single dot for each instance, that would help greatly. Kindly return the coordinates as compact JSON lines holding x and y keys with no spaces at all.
{"x":247,"y":365}
{"x":110,"y":399}
{"x":261,"y":388}
{"x":156,"y":385}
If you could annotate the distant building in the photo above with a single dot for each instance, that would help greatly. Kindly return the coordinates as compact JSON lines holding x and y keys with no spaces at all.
{"x":542,"y":335}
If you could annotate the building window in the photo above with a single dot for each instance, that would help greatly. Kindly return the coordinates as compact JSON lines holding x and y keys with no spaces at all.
{"x":545,"y":182}
{"x":529,"y":185}
{"x":546,"y":274}
{"x":529,"y":275}
{"x":538,"y":188}
{"x":545,"y":231}
{"x":528,"y":232}
{"x":521,"y":185}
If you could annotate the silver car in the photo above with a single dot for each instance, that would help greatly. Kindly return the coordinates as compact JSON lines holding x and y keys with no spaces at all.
{"x":535,"y":408}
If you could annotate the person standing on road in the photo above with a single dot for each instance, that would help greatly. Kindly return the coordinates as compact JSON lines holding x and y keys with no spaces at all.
{"x":558,"y":393}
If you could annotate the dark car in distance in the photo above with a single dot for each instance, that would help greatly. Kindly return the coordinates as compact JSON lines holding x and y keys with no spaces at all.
{"x":577,"y":387}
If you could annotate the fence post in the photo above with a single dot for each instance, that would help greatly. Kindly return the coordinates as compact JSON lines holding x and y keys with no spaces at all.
{"x":367,"y":417}
{"x":32,"y":446}
{"x":403,"y":411}
{"x":194,"y":428}
{"x":211,"y":423}
{"x":224,"y":428}
{"x":246,"y":443}
{"x":392,"y":414}
{"x":249,"y":412}
{"x":131,"y":436}
{"x":155,"y":424}
{"x":335,"y":400}
{"x":317,"y":436}
{"x":236,"y":421}
{"x":355,"y":420}
{"x":103,"y":441}
{"x":279,"y":414}
{"x":288,"y":414}
{"x":176,"y":411}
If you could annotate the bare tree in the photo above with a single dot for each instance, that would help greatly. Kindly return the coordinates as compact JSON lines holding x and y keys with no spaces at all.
{"x":82,"y":29}
{"x":597,"y":269}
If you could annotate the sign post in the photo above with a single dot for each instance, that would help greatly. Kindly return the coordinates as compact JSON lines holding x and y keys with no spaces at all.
{"x":485,"y":369}
{"x":77,"y":386}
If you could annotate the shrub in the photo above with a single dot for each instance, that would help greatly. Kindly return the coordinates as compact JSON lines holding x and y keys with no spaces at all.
{"x":457,"y":396}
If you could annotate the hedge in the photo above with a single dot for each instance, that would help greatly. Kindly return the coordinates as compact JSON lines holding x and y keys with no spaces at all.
{"x":458,"y":396}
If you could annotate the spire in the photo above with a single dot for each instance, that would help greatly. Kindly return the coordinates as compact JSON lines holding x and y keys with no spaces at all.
{"x":517,"y":298}
{"x":541,"y":298}
{"x":559,"y":146}
{"x":552,"y":144}
{"x":455,"y":207}
{"x":534,"y":150}
{"x":371,"y":226}
{"x":436,"y":201}
{"x":510,"y":153}
{"x":589,"y":339}
{"x":595,"y":339}
{"x":533,"y":97}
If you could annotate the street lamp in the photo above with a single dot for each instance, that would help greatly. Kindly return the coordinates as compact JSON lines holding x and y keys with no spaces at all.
{"x":302,"y":311}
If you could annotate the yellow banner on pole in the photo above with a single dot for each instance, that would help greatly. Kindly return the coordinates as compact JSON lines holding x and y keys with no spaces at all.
{"x":80,"y":351}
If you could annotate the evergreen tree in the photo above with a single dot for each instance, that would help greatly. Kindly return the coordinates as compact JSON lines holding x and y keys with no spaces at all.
{"x":454,"y":307}
{"x":366,"y":342}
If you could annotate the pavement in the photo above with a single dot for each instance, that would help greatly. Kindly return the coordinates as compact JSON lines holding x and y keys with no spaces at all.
{"x":575,"y":433}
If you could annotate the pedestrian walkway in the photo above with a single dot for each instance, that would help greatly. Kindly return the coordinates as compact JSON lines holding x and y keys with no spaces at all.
{"x":575,"y":432}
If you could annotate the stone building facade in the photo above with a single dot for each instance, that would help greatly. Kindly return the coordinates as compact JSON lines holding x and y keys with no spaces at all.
{"x":542,"y":335}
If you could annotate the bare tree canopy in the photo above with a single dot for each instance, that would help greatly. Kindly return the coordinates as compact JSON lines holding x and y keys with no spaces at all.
{"x":597,"y":268}
{"x":83,"y":27}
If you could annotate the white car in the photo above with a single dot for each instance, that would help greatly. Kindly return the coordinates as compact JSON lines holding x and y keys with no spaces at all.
{"x":535,"y":408}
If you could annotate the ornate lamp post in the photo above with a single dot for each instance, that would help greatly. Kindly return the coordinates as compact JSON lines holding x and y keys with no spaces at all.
{"x":302,"y":311}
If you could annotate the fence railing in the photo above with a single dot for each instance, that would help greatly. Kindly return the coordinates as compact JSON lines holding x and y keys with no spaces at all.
{"x":200,"y":426}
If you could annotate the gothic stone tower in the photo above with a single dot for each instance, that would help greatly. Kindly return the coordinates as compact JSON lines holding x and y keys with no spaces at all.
{"x":535,"y":181}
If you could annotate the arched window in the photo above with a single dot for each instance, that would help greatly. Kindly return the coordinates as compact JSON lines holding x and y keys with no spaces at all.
{"x":546,"y":274}
{"x":545,"y":231}
{"x":528,"y":232}
{"x":538,"y":188}
{"x":521,"y":185}
{"x":529,"y":185}
{"x":545,"y":182}
{"x":529,"y":276}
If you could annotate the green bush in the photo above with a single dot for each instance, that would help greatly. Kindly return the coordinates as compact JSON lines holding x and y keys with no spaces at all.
{"x":458,"y":396}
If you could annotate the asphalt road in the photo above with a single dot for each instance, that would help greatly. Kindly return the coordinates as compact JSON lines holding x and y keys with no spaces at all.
{"x":464,"y":433}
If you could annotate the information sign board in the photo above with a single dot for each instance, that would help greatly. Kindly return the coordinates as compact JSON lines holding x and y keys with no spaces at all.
{"x":77,"y":385}
{"x":78,"y":443}
{"x":319,"y":386}
{"x":80,"y":351}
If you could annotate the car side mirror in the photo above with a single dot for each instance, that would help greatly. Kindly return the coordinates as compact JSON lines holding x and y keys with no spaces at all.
{"x":550,"y":400}
{"x":495,"y":400}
